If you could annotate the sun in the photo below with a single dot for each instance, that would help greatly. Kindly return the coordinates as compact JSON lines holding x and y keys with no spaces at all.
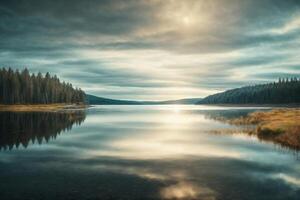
{"x":186,"y":20}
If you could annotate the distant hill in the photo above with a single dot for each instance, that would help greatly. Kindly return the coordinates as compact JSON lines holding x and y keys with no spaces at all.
{"x":182,"y":101}
{"x":286,"y":91}
{"x":94,"y":100}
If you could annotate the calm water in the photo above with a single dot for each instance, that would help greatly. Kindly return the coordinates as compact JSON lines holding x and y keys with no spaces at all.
{"x":140,"y":152}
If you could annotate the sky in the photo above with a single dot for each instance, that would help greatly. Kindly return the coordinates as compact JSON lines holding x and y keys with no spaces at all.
{"x":153,"y":49}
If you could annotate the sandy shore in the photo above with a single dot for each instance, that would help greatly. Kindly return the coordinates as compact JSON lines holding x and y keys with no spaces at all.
{"x":40,"y":107}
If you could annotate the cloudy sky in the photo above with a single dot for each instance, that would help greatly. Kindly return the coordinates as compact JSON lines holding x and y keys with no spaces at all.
{"x":153,"y":49}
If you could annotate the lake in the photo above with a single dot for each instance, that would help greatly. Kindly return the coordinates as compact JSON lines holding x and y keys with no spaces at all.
{"x":141,"y":152}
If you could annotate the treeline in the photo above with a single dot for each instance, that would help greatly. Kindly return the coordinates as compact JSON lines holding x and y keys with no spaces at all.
{"x":285,"y":91}
{"x":24,"y":88}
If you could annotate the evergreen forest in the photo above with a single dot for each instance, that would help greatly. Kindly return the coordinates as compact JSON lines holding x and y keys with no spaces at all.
{"x":22,"y":87}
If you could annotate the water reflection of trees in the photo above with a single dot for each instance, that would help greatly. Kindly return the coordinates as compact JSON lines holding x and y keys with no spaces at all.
{"x":19,"y":129}
{"x":226,"y":115}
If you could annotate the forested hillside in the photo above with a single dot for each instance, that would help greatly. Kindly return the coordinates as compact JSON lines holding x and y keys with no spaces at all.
{"x":285,"y":91}
{"x":91,"y":99}
{"x":25,"y":88}
{"x":94,"y":100}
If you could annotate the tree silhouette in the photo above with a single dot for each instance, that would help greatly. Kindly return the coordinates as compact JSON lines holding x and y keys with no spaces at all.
{"x":23,"y":88}
{"x":282,"y":92}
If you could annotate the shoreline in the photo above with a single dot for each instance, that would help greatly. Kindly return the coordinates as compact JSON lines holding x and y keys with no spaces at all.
{"x":281,"y":126}
{"x":41,"y":107}
{"x":255,"y":105}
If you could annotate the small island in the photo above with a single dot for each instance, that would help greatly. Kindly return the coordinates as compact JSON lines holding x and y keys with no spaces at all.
{"x":22,"y":92}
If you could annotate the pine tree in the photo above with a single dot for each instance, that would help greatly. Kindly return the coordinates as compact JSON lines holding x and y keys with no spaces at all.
{"x":23,"y":88}
{"x":283,"y":92}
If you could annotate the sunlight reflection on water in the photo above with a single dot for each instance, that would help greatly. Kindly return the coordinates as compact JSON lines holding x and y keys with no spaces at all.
{"x":152,"y":152}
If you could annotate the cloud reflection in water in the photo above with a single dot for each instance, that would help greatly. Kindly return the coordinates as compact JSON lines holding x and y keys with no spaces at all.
{"x":156,"y":152}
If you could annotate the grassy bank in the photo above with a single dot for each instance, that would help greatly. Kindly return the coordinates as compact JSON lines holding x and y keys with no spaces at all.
{"x":40,"y":107}
{"x":281,"y":126}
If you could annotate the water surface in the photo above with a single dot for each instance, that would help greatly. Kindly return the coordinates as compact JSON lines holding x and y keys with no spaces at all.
{"x":141,"y":152}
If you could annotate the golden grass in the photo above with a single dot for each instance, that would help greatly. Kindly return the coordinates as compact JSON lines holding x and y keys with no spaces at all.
{"x":40,"y":107}
{"x":280,"y":126}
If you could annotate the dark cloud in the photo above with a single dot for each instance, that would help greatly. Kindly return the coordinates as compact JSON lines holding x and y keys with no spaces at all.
{"x":272,"y":76}
{"x":50,"y":36}
{"x":49,"y":22}
{"x":257,"y":60}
